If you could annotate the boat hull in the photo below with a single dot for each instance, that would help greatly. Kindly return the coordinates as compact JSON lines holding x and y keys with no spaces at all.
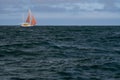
{"x":26,"y":25}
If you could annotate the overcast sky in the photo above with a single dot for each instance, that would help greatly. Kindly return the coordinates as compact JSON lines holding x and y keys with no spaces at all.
{"x":61,"y":12}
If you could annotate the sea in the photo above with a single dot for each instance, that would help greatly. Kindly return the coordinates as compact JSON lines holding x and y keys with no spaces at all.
{"x":60,"y":53}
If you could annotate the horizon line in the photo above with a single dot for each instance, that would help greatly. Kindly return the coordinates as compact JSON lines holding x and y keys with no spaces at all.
{"x":63,"y":25}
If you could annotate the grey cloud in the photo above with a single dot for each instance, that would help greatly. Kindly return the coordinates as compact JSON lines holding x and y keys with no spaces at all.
{"x":59,"y":5}
{"x":80,"y":6}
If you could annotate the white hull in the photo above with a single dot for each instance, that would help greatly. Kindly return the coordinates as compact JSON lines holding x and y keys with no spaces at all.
{"x":26,"y":25}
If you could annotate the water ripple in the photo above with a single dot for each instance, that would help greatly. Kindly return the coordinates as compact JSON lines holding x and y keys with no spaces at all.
{"x":59,"y":53}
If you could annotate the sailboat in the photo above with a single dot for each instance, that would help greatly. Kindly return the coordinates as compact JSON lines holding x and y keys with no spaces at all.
{"x":30,"y":20}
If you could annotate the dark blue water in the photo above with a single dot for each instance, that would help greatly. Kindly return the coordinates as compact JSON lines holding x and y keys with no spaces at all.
{"x":60,"y":53}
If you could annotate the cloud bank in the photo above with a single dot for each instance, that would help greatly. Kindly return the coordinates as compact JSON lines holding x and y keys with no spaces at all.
{"x":79,"y":6}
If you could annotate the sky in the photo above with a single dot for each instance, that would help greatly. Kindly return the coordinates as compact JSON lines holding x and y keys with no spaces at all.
{"x":61,"y":12}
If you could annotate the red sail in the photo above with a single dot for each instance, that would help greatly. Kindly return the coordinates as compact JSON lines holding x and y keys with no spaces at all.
{"x":33,"y":22}
{"x":28,"y":18}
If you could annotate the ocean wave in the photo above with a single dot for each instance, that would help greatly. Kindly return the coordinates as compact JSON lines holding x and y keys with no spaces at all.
{"x":59,"y":53}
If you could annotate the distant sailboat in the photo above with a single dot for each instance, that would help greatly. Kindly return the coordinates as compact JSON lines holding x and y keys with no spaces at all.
{"x":30,"y":21}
